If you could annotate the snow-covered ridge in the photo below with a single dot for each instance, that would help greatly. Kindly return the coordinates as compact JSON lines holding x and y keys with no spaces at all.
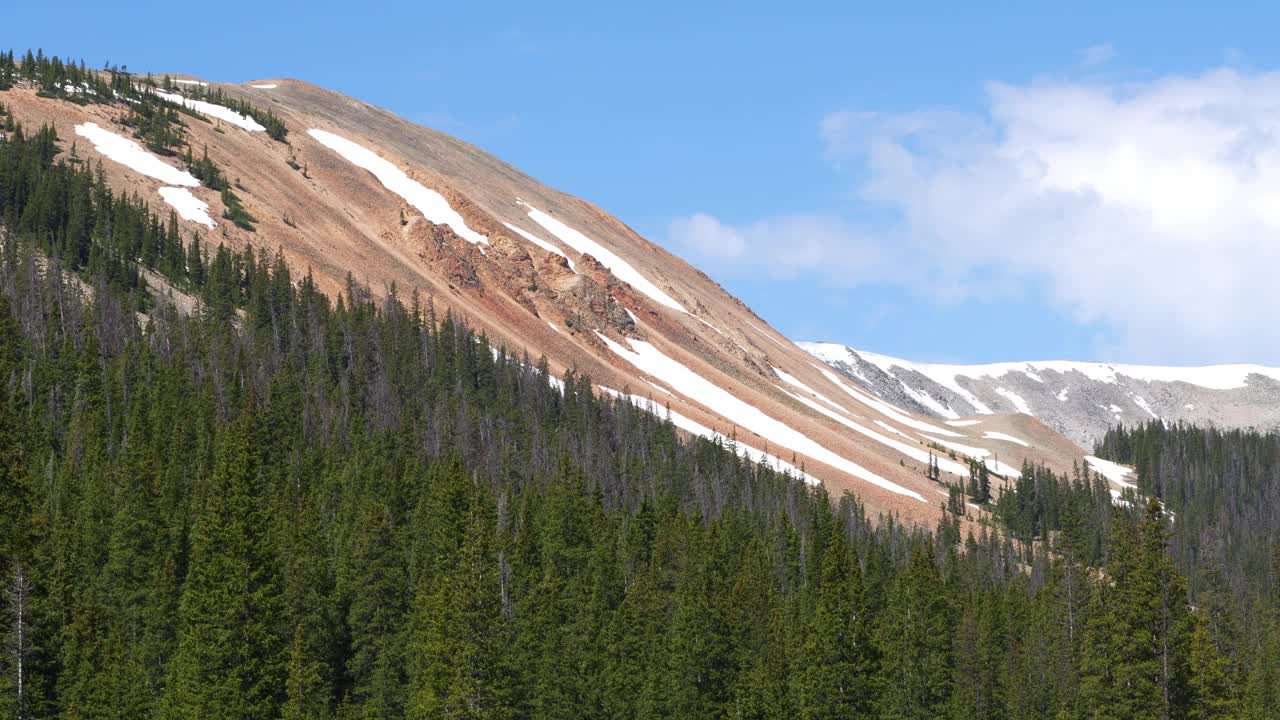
{"x":585,"y":245}
{"x":212,"y":110}
{"x":430,"y":203}
{"x":1214,"y":377}
{"x":1078,"y":399}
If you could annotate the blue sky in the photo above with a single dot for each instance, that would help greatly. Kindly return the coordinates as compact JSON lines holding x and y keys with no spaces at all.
{"x":855,"y":174}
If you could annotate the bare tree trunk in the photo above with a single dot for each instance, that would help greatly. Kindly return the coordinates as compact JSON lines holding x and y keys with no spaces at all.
{"x":19,"y":640}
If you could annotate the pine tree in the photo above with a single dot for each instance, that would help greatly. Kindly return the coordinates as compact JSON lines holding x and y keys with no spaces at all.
{"x":1212,"y":678}
{"x":1136,"y":647}
{"x":230,"y":654}
{"x":915,"y":639}
{"x":458,"y":668}
{"x":834,"y":665}
{"x":376,"y":616}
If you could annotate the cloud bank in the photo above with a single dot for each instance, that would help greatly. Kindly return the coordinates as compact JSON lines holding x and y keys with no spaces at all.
{"x":1151,"y":208}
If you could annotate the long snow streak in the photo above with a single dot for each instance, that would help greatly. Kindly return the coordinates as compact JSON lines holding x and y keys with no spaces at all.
{"x":619,"y":267}
{"x":130,"y":154}
{"x":222,"y":113}
{"x":188,"y":206}
{"x":430,"y":203}
{"x":695,"y":387}
{"x":540,"y":243}
{"x":694,"y":427}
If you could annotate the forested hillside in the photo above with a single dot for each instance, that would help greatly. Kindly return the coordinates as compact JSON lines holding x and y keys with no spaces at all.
{"x":286,"y":505}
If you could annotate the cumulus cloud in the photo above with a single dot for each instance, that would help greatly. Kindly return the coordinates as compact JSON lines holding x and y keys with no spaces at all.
{"x":1150,"y":208}
{"x":787,"y":247}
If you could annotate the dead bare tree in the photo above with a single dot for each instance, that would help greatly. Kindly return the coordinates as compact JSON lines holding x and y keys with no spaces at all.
{"x":18,"y":639}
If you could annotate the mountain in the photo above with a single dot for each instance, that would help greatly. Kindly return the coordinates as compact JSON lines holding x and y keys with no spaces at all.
{"x":357,"y":197}
{"x":1079,"y":399}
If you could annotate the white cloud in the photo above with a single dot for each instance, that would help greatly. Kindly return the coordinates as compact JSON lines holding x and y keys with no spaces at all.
{"x":1152,"y":208}
{"x":787,"y":247}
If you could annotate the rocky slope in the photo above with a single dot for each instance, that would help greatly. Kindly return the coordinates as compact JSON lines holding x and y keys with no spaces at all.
{"x":1078,"y":399}
{"x":355,"y":191}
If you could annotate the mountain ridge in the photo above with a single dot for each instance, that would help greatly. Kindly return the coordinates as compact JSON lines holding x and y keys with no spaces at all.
{"x":1081,"y":399}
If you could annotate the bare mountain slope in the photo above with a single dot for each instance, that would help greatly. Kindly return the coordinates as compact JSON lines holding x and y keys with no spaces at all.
{"x":1078,"y":399}
{"x":356,"y":190}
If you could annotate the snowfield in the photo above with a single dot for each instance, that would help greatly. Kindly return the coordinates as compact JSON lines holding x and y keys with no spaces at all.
{"x":132,"y":155}
{"x":266,"y":86}
{"x":212,"y":110}
{"x":586,"y":246}
{"x":649,"y":359}
{"x":188,"y":206}
{"x":430,"y":203}
{"x":541,"y":243}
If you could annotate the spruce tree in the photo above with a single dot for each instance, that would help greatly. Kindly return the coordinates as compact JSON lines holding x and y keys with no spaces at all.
{"x":231,"y":653}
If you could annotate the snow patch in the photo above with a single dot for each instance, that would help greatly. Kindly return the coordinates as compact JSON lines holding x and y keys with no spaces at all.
{"x":697,"y":388}
{"x":585,"y":245}
{"x":992,"y":435}
{"x":1018,"y":403}
{"x":430,"y":203}
{"x":1062,"y":394}
{"x":1142,"y":403}
{"x":266,"y":86}
{"x":963,"y":423}
{"x":212,"y":110}
{"x":201,"y":83}
{"x":188,"y":206}
{"x":1114,"y":472}
{"x":132,"y":155}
